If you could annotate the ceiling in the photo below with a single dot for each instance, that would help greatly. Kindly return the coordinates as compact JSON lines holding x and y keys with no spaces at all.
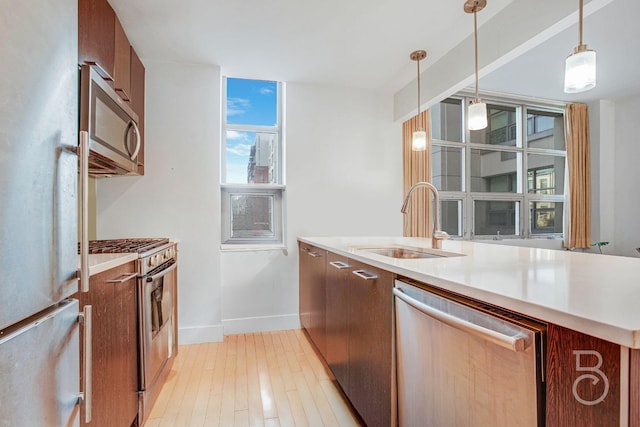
{"x":366,"y":43}
{"x":612,"y":31}
{"x":355,"y":43}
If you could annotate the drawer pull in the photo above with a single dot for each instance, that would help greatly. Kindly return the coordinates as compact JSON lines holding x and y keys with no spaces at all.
{"x":314,"y":254}
{"x":364,"y":274}
{"x":339,"y":265}
{"x":122,"y":278}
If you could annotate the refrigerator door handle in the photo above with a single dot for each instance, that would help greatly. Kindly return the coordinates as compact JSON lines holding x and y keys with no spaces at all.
{"x":87,"y":395}
{"x":83,"y":156}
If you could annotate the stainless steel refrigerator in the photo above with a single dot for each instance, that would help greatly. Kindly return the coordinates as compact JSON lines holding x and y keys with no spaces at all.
{"x":39,"y":326}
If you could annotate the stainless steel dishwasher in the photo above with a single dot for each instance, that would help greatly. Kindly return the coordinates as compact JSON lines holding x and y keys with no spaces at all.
{"x":465,"y":363}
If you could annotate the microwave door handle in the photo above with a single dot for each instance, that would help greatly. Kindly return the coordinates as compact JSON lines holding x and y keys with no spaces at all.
{"x":138,"y":140}
{"x":136,"y":130}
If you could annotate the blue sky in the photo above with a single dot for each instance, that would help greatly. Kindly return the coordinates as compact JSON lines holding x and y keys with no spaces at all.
{"x":249,"y":102}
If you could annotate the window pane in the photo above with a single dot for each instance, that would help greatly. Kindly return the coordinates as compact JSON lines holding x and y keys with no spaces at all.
{"x":545,"y":130}
{"x":252,"y":102}
{"x":451,"y":216}
{"x":545,"y":174}
{"x":494,"y":171}
{"x":546,"y":217}
{"x":251,"y":157}
{"x":252,"y":216}
{"x":496,"y":217}
{"x":446,"y":168}
{"x":501,"y":129}
{"x":446,"y":120}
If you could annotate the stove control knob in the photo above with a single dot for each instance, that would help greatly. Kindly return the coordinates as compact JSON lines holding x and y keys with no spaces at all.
{"x":150,"y":262}
{"x":167,"y":254}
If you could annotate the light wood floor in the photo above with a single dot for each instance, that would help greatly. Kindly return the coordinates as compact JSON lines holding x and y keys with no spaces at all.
{"x":263,"y":379}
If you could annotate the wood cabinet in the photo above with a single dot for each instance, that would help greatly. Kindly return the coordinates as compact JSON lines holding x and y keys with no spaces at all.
{"x":370,"y":343}
{"x":583,"y":379}
{"x":313,"y":294}
{"x":137,"y":101}
{"x":346,"y":308}
{"x":102,"y":41}
{"x":114,"y":346}
{"x":337,"y":317}
{"x":97,"y":35}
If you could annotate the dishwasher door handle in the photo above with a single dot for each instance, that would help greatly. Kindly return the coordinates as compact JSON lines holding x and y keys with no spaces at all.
{"x":513,"y":343}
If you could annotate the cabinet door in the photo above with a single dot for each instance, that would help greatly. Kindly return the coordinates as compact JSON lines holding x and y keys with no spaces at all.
{"x":370,"y":343}
{"x":125,"y":366}
{"x":583,"y":379}
{"x":312,"y":294}
{"x":121,"y":63}
{"x":304,"y":286}
{"x":97,"y":35}
{"x":137,"y":101}
{"x":318,"y":298}
{"x":337,"y":318}
{"x":114,"y":350}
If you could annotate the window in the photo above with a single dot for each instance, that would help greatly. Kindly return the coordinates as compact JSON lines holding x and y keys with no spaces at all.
{"x":505,"y":180}
{"x":252,"y":176}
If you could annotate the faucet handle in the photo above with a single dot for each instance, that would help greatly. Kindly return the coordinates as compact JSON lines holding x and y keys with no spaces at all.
{"x":441,"y":235}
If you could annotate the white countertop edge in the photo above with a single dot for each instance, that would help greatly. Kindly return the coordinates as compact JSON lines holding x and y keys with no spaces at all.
{"x":598,"y":328}
{"x":99,"y":263}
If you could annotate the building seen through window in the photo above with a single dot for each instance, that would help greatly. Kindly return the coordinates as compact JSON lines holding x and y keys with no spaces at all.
{"x":506,"y":179}
{"x":253,"y":188}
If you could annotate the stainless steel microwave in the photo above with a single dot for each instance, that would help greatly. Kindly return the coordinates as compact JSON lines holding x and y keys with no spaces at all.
{"x":114,"y":137}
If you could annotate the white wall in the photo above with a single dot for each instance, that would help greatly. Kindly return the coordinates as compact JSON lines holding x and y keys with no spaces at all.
{"x":626,"y":187}
{"x":344,"y":177}
{"x":615,"y":153}
{"x":343,"y":173}
{"x":179,"y":195}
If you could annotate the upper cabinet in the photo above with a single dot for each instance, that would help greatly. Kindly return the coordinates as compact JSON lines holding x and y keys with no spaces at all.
{"x":103,"y":42}
{"x":137,"y":101}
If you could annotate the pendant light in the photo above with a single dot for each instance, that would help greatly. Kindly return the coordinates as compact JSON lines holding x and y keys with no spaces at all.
{"x":580,"y":66}
{"x":419,"y":139}
{"x":477,"y":111}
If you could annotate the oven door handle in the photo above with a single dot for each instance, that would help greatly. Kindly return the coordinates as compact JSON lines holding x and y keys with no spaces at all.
{"x":162,"y":273}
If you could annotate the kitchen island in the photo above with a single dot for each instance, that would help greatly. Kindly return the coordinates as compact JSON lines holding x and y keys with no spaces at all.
{"x":587,"y":300}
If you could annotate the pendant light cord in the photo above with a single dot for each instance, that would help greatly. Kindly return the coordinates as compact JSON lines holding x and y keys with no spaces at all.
{"x":580,"y":25}
{"x":475,"y":36}
{"x":419,"y":117}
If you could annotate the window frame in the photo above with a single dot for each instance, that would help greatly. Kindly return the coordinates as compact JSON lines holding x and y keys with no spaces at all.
{"x":277,"y":189}
{"x":522,"y":150}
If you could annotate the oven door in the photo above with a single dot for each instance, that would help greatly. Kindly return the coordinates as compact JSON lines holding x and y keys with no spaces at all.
{"x":155,"y":302}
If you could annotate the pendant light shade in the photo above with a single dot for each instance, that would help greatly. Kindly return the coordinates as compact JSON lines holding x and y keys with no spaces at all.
{"x":419,"y":141}
{"x":580,"y":66}
{"x":419,"y":138}
{"x":477,"y":116}
{"x":477,"y":111}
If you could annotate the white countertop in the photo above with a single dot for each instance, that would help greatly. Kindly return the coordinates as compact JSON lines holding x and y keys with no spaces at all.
{"x":594,"y":294}
{"x":102,"y":262}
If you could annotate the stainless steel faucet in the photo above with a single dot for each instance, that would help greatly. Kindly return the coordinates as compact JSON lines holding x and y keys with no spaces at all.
{"x":438,"y":235}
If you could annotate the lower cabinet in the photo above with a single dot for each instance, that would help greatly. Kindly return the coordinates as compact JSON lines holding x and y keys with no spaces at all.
{"x":583,"y":380}
{"x":346,"y":308}
{"x":112,"y":296}
{"x":337,"y":318}
{"x":312,"y":294}
{"x":370,"y":343}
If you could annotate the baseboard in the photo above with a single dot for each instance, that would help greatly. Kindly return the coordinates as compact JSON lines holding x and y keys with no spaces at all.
{"x":260,"y":324}
{"x":200,"y":334}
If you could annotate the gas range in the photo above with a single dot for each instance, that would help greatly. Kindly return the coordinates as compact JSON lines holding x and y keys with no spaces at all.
{"x":138,"y":245}
{"x":157,"y":312}
{"x":152,"y":252}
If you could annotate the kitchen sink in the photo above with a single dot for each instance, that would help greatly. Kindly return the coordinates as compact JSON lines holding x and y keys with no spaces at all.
{"x":409,"y":253}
